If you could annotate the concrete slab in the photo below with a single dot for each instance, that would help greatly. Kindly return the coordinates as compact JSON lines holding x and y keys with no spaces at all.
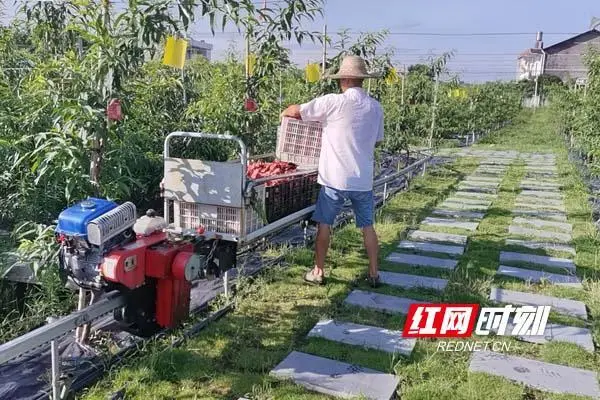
{"x":572,"y":308}
{"x":521,"y":231}
{"x":412,"y":281}
{"x":371,"y":337}
{"x":470,"y":215}
{"x":541,"y":168}
{"x":450,"y":223}
{"x":539,"y":214}
{"x":536,"y":374}
{"x":544,"y":194}
{"x":476,"y":195}
{"x":474,"y":202}
{"x":379,"y":302}
{"x":537,"y":175}
{"x":526,"y":205}
{"x":432,"y":247}
{"x":546,"y":184}
{"x":422,"y":261}
{"x":336,"y":378}
{"x":540,"y":188}
{"x":474,"y":188}
{"x":540,"y":223}
{"x":555,"y":262}
{"x":558,"y":333}
{"x":490,"y":168}
{"x":484,"y":178}
{"x":424,"y":236}
{"x":458,"y":205}
{"x":544,"y":166}
{"x":537,"y":201}
{"x":493,"y":173}
{"x":541,"y":245}
{"x":537,"y":276}
{"x":480,"y":183}
{"x":541,"y":171}
{"x":554,"y":184}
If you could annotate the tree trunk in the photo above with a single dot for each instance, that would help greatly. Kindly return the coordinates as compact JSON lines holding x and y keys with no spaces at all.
{"x":96,"y":164}
{"x":435,"y":94}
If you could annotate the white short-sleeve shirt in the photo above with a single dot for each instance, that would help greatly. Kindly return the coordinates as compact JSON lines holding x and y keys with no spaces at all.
{"x":352,"y":124}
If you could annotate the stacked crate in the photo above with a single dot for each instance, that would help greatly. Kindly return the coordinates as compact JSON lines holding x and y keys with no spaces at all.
{"x":299,"y":142}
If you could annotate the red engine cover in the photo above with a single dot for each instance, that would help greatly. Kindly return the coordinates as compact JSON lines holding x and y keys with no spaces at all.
{"x":159,"y":260}
{"x":172,"y":302}
{"x":127,"y":265}
{"x":164,"y":262}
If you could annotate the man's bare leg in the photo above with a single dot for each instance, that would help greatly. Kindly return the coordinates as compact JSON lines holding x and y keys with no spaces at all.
{"x":321,"y":248}
{"x":372,"y":246}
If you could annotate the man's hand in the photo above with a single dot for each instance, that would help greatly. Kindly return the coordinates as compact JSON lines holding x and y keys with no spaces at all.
{"x":292,"y":111}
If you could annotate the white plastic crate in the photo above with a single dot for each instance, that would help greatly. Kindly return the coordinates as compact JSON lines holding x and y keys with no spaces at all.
{"x":219,"y":219}
{"x":299,"y":142}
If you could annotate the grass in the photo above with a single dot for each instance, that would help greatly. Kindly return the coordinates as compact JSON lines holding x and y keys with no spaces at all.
{"x":25,"y":307}
{"x":234,"y":355}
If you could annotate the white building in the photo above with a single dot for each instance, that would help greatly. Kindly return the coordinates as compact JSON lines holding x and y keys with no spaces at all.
{"x":530,"y":63}
{"x":199,"y":47}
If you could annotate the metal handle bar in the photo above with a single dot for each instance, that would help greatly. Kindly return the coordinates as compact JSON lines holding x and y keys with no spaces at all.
{"x":202,"y":135}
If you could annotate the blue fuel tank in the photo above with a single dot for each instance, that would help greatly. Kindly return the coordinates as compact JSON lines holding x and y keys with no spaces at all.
{"x":74,"y":220}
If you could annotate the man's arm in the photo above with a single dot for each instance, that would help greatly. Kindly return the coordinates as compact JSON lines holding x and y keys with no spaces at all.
{"x":292,"y":111}
{"x":315,"y":110}
{"x":379,"y":140}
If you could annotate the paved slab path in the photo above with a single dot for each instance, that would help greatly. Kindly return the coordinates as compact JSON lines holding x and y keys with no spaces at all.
{"x":540,"y":223}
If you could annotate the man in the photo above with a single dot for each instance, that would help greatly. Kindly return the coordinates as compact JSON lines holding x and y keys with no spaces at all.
{"x":352,"y":125}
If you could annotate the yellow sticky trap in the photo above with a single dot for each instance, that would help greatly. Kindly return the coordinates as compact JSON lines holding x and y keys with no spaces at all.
{"x":250,"y":63}
{"x":312,"y":73}
{"x":175,"y":52}
{"x":458,"y":93}
{"x":392,"y":77}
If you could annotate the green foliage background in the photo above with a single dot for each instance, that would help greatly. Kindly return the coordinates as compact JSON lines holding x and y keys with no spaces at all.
{"x":62,"y":62}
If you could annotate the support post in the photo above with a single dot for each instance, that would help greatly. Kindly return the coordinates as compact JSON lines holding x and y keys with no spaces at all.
{"x":85,"y":329}
{"x":324,"y":50}
{"x":384,"y":192}
{"x":80,"y":306}
{"x":226,"y":284}
{"x":403,"y":77}
{"x":433,"y":112}
{"x":535,"y":93}
{"x":305,"y":232}
{"x":55,"y":370}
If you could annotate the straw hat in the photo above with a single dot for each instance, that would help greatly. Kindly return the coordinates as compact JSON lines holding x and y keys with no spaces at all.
{"x":353,"y":67}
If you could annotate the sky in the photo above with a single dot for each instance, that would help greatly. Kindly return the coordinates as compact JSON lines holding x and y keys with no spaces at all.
{"x":486,"y":36}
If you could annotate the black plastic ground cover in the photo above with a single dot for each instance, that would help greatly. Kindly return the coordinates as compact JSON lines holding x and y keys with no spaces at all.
{"x":29,"y":379}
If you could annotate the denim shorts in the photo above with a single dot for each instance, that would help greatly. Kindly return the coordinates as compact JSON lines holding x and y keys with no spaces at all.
{"x":331,"y":201}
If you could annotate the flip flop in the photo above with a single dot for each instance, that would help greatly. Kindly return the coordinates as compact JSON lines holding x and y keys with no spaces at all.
{"x":312,"y":278}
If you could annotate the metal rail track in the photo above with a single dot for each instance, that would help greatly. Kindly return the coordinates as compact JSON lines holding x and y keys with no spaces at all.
{"x":44,"y":335}
{"x":36,"y":339}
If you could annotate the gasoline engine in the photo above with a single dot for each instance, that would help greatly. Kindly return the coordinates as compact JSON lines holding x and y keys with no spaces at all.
{"x":105,"y":247}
